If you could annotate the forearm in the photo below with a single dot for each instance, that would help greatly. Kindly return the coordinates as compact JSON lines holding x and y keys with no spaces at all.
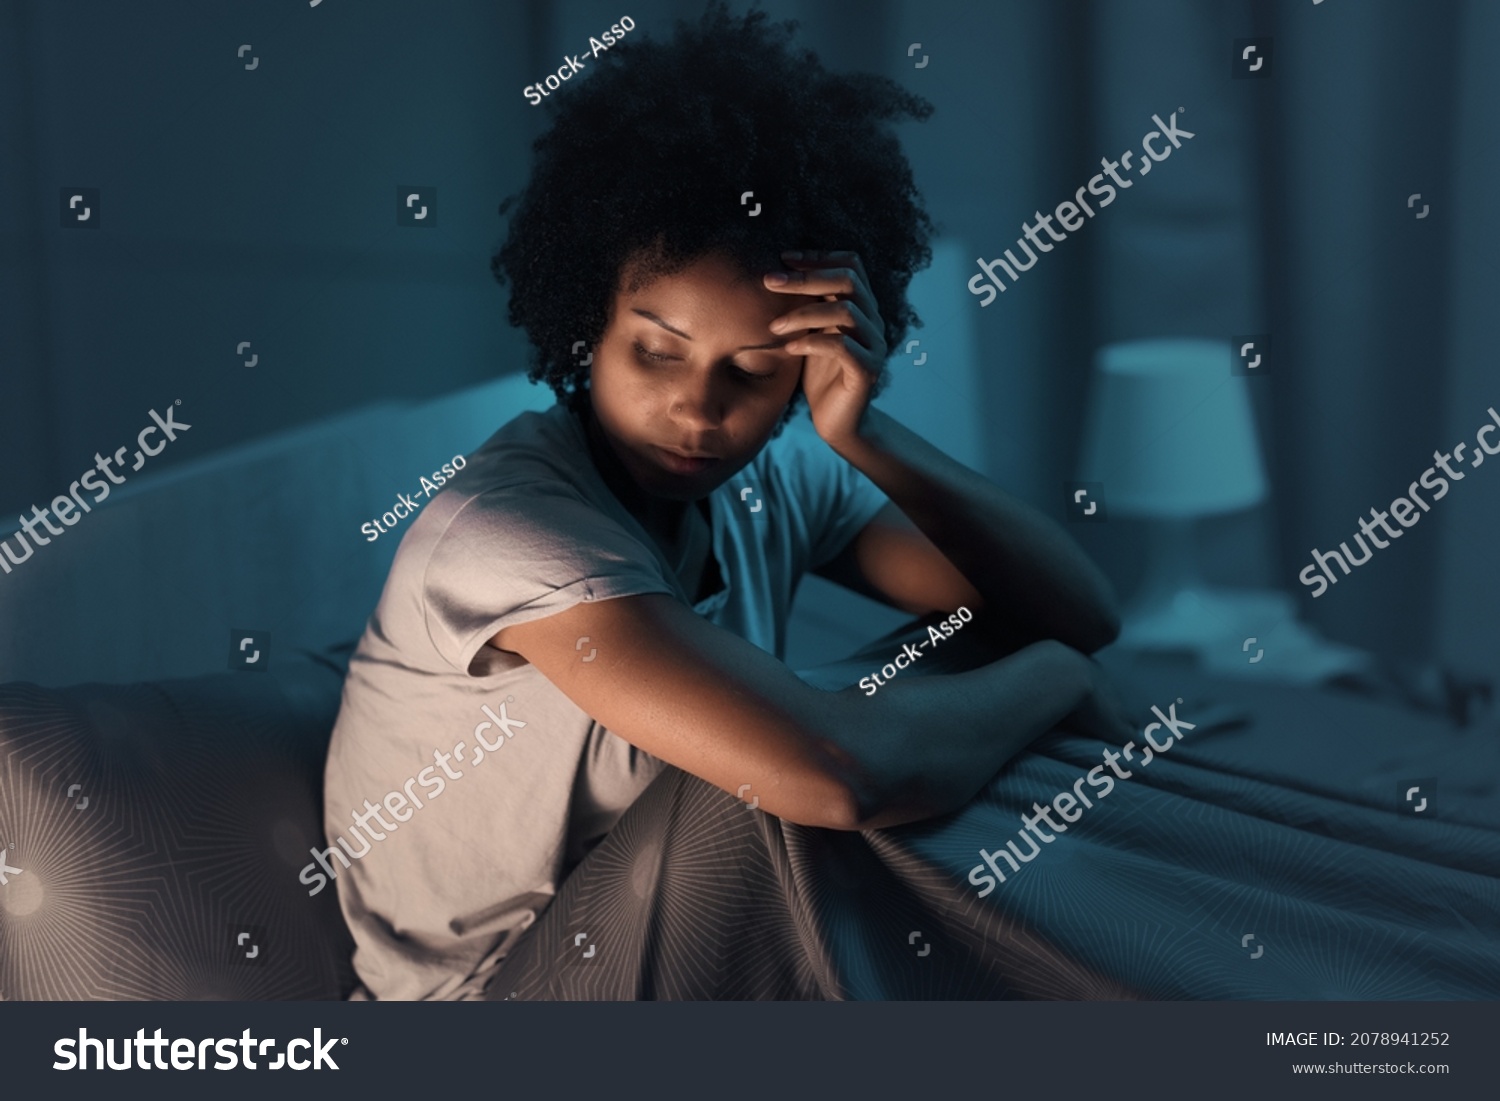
{"x":1019,"y":560}
{"x":925,"y":746}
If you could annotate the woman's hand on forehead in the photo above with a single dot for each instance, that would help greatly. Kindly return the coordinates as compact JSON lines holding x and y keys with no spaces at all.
{"x":842,"y":337}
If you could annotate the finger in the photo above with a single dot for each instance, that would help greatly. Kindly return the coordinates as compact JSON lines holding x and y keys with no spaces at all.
{"x":831,"y":345}
{"x":824,"y":279}
{"x":836,"y":258}
{"x":832,"y":258}
{"x":836,"y":282}
{"x":842,"y":314}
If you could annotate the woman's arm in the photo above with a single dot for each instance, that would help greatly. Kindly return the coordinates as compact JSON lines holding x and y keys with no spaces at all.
{"x":1018,"y":559}
{"x":707,"y":701}
{"x":1023,"y":565}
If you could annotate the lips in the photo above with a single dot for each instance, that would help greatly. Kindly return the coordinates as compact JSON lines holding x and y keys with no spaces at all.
{"x":684,"y":462}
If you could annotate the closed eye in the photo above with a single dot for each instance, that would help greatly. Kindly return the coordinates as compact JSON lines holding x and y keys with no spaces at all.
{"x":647,"y":354}
{"x":751,"y":376}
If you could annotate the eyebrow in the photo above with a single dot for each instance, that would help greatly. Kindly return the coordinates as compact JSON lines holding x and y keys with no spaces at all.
{"x":649,"y":316}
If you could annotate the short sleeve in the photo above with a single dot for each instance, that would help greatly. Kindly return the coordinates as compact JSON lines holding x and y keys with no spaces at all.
{"x":511,"y":556}
{"x":836,"y":499}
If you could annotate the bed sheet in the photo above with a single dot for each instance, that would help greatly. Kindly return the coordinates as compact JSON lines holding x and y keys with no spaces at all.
{"x":1277,"y":850}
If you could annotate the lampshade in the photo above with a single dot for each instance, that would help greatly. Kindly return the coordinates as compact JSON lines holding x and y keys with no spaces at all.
{"x":1170,"y":431}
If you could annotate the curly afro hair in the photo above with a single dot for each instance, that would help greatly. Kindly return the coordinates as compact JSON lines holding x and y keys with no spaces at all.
{"x":642,"y":171}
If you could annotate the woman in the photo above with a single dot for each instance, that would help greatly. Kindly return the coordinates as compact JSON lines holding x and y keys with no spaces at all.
{"x":604,"y":589}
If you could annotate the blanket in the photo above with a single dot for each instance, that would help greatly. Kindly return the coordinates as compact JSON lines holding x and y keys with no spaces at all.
{"x":1287,"y":843}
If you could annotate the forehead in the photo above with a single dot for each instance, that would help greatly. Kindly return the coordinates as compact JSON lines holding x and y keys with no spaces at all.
{"x":711,"y":287}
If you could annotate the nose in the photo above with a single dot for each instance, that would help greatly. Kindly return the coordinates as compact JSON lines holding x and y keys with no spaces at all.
{"x":696,"y":404}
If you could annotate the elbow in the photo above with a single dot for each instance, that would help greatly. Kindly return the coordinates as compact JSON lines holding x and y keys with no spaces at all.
{"x":1099,"y":623}
{"x":857,"y":811}
{"x":850,"y":797}
{"x":848,"y":811}
{"x":866,"y":804}
{"x":1101,"y":631}
{"x":864,"y":781}
{"x":834,"y":806}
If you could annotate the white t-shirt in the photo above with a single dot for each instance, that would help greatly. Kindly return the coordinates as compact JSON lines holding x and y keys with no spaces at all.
{"x":503,"y":782}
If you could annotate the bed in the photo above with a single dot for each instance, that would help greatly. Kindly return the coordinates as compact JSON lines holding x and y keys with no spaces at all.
{"x":1295,"y":843}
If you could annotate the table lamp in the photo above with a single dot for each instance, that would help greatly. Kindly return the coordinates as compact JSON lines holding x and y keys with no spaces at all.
{"x":1171,"y":437}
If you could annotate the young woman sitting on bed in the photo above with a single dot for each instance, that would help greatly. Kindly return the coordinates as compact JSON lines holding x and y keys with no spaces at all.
{"x":605,"y":587}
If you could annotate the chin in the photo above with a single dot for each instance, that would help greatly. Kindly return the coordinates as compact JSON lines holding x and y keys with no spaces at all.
{"x":660,"y":482}
{"x":685,"y":490}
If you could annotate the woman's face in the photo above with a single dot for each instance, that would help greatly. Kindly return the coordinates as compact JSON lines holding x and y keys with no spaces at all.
{"x":688,"y":382}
